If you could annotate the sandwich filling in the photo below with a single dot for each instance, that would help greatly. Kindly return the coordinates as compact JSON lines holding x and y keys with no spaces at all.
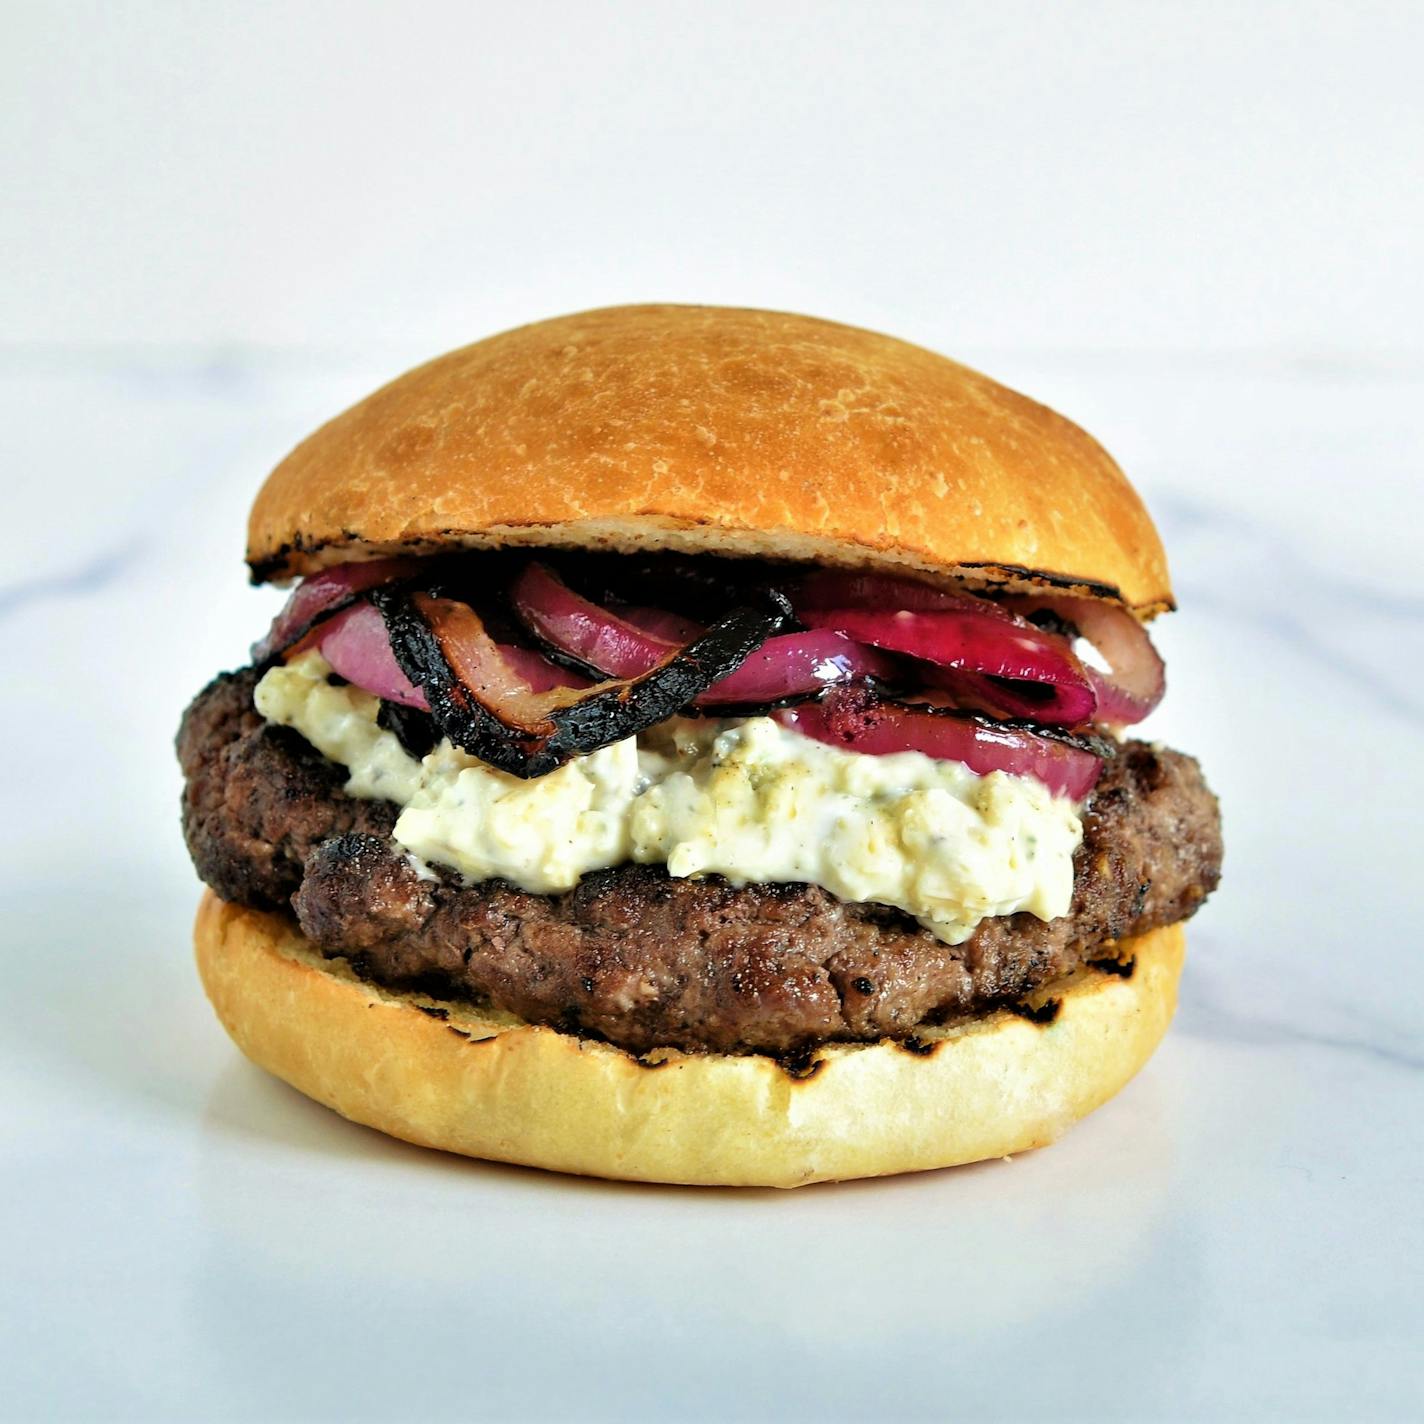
{"x":699,"y":804}
{"x":748,"y":799}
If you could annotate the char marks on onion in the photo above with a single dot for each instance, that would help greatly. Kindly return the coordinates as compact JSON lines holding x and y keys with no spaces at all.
{"x":995,"y":660}
{"x":485,"y":707}
{"x":324,"y":594}
{"x":631,"y":641}
{"x":858,"y":720}
{"x":870,"y":662}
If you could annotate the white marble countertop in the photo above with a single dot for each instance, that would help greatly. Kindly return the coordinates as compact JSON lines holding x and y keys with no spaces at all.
{"x":1238,"y":1235}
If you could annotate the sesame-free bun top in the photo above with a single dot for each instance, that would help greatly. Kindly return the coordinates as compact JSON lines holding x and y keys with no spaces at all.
{"x":713,"y":430}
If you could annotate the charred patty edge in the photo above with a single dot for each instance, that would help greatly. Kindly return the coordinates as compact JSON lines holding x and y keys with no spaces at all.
{"x":1040,"y":1008}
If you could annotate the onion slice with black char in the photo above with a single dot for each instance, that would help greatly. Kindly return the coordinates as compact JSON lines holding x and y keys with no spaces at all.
{"x":484,"y":706}
{"x":358,"y":647}
{"x":790,"y":665}
{"x":857,"y":721}
{"x":414,"y":730}
{"x":1137,"y":677}
{"x":633,"y":640}
{"x":659,"y":623}
{"x":797,"y":665}
{"x":535,"y":669}
{"x":593,"y":637}
{"x":1041,"y":677}
{"x":323,"y":594}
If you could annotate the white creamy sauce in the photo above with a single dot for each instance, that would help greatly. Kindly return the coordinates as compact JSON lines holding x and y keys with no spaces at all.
{"x":743,"y":798}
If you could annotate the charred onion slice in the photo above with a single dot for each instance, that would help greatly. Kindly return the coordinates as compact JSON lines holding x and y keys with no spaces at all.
{"x":357,"y":646}
{"x":633,"y":640}
{"x":593,"y":637}
{"x":798,"y":665}
{"x":791,"y":665}
{"x":659,"y":623}
{"x":415,"y":731}
{"x":1137,"y":676}
{"x":483,"y":705}
{"x":861,"y":722}
{"x":323,"y":594}
{"x":1003,"y":662}
{"x":535,"y":669}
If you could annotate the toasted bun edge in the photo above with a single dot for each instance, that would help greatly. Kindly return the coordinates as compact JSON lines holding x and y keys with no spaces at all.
{"x":446,"y":1075}
{"x":714,"y":430}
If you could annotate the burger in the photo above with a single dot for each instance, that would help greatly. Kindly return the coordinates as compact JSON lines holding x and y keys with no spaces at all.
{"x":697,"y":747}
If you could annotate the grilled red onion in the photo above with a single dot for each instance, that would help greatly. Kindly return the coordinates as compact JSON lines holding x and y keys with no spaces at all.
{"x":322,"y":594}
{"x":658,"y":623}
{"x":535,"y":669}
{"x":599,"y":640}
{"x":356,"y":644}
{"x":1137,"y":676}
{"x":795,"y":664}
{"x":1124,"y":695}
{"x":856,"y":722}
{"x":635,"y":640}
{"x":1044,"y":679}
{"x":482,"y":705}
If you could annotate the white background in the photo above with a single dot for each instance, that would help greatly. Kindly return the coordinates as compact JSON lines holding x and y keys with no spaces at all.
{"x":1121,"y":176}
{"x":1195,"y":228}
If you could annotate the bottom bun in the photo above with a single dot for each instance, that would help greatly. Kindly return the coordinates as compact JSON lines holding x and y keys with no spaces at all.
{"x":445,"y":1074}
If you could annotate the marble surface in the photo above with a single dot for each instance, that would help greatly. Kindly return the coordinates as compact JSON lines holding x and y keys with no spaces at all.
{"x":1238,"y":1235}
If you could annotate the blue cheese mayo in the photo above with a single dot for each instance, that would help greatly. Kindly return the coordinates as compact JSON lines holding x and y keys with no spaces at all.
{"x":744,"y":798}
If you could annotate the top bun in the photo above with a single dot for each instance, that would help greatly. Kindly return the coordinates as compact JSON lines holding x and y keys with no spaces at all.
{"x":714,"y":430}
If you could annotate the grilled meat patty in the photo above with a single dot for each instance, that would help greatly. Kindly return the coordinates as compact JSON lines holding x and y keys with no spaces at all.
{"x":645,"y":960}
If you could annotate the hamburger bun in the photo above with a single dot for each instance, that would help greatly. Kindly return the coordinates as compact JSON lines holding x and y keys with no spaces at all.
{"x":485,"y":1084}
{"x":714,"y":430}
{"x":729,"y":432}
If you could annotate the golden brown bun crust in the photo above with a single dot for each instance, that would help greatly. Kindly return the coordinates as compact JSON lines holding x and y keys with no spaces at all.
{"x":713,"y":429}
{"x":488,"y":1085}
